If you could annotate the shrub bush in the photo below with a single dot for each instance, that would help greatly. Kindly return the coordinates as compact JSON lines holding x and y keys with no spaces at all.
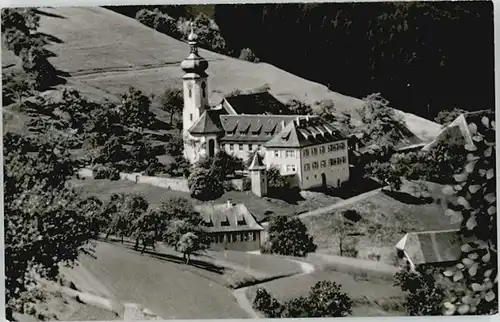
{"x":167,"y":25}
{"x":205,"y":185}
{"x":288,"y":236}
{"x":423,"y":296}
{"x":179,"y":168}
{"x":146,"y":17}
{"x":267,"y":304}
{"x":248,"y":55}
{"x":176,"y":146}
{"x":325,"y":299}
{"x":106,"y":172}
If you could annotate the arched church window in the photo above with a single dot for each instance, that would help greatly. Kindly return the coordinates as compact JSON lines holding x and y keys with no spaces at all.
{"x":203,"y":89}
{"x":190,"y":90}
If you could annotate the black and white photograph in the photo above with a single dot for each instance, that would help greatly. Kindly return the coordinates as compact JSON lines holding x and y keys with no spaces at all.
{"x":166,"y":161}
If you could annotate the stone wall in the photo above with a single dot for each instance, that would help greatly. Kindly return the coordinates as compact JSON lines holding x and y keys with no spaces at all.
{"x":162,"y":182}
{"x":178,"y":184}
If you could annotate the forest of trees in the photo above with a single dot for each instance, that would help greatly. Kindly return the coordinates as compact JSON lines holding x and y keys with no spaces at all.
{"x":422,"y":56}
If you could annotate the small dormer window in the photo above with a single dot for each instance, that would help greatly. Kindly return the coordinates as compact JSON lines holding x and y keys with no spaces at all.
{"x":225,"y":222}
{"x":241,"y":221}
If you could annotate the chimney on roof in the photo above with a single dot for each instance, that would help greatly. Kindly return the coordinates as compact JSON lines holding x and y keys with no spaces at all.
{"x":282,"y":123}
{"x":229,"y":203}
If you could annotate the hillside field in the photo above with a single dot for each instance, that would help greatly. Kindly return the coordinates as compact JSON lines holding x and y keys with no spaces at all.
{"x":105,"y":53}
{"x":385,"y":218}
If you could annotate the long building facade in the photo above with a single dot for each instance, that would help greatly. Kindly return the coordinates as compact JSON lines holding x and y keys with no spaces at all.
{"x":306,"y":149}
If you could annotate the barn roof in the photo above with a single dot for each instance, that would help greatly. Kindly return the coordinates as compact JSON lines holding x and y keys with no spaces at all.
{"x":432,"y":246}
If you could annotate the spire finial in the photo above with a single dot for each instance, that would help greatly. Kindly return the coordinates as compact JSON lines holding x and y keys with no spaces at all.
{"x":192,"y":36}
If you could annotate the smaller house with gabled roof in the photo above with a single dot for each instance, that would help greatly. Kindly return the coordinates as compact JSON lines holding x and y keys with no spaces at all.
{"x":230,"y":226}
{"x":430,"y":248}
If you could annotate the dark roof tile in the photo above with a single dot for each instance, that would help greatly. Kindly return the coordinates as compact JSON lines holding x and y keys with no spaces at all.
{"x":209,"y":122}
{"x":255,"y":104}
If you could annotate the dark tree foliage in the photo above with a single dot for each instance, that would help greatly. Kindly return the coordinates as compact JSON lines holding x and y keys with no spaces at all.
{"x":222,"y":164}
{"x":445,"y":117}
{"x":423,"y":296}
{"x":381,"y":125}
{"x":134,"y":109}
{"x":325,"y":299}
{"x":15,"y":88}
{"x":148,"y":228}
{"x":444,"y":160}
{"x":248,"y":55}
{"x":289,"y":236}
{"x":275,"y":180}
{"x":297,"y":107}
{"x":175,"y":146}
{"x":179,"y":167}
{"x":159,"y":21}
{"x":387,"y":47}
{"x":205,"y":184}
{"x":172,"y":102}
{"x":19,"y":26}
{"x":267,"y":304}
{"x":44,"y":221}
{"x":182,"y":218}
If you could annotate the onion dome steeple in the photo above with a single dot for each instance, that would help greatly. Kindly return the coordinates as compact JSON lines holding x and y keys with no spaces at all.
{"x":193,"y":62}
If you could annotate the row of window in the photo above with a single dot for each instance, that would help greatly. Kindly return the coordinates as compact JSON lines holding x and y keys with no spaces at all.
{"x":323,"y":149}
{"x":241,"y":146}
{"x":287,"y":154}
{"x":323,"y":164}
{"x":234,"y":237}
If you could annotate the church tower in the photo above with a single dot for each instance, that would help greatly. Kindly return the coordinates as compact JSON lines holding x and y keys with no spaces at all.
{"x":194,"y":84}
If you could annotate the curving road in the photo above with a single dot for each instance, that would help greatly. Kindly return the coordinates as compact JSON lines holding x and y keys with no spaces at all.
{"x":244,"y":302}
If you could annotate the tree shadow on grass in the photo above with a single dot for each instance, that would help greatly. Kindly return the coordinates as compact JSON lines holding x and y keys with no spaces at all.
{"x":291,"y":196}
{"x":48,"y":14}
{"x":167,"y":257}
{"x":50,"y":38}
{"x":350,"y":188}
{"x":407,"y":198}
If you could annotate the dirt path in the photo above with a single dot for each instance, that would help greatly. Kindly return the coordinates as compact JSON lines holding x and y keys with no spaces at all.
{"x":244,"y":301}
{"x":340,"y":204}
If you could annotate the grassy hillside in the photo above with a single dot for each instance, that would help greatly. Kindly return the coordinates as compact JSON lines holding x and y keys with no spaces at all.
{"x":385,"y":218}
{"x":105,"y":52}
